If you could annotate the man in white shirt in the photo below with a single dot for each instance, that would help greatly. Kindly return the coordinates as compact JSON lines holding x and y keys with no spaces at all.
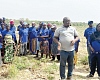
{"x":67,"y":37}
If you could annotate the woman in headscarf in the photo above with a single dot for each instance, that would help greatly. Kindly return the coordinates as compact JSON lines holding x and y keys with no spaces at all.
{"x":8,"y":39}
{"x":94,"y":44}
{"x":55,"y":52}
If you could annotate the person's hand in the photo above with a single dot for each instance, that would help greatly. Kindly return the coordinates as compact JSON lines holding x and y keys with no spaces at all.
{"x":0,"y":35}
{"x":92,"y":49}
{"x":72,"y":42}
{"x":59,"y":46}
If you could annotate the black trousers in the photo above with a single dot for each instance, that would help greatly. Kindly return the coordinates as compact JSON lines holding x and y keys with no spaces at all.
{"x":95,"y":61}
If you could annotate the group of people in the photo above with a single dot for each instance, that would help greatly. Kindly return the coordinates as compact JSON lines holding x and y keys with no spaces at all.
{"x":47,"y":39}
{"x":36,"y":39}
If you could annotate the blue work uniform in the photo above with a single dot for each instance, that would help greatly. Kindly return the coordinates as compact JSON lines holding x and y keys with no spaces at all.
{"x":32,"y":35}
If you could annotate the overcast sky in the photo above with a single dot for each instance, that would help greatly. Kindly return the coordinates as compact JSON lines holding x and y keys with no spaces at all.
{"x":76,"y":10}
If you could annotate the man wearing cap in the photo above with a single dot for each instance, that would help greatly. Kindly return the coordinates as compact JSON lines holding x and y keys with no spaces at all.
{"x":67,"y":37}
{"x":87,"y":34}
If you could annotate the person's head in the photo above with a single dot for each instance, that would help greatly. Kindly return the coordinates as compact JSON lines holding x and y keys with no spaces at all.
{"x":24,"y":25}
{"x":90,"y":23}
{"x":66,"y":22}
{"x":98,"y":27}
{"x":2,"y":25}
{"x":1,"y":20}
{"x":44,"y":25}
{"x":7,"y":27}
{"x":40,"y":24}
{"x":33,"y":24}
{"x":21,"y":22}
{"x":48,"y":25}
{"x":28,"y":25}
{"x":53,"y":28}
{"x":4,"y":19}
{"x":11,"y":23}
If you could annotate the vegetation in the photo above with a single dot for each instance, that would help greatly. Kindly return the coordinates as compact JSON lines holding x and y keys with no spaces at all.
{"x":43,"y":69}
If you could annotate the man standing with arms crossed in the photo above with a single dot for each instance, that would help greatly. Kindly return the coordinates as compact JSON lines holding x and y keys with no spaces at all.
{"x":67,"y":37}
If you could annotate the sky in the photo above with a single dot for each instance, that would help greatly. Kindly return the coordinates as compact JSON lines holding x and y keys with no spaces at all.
{"x":51,"y":10}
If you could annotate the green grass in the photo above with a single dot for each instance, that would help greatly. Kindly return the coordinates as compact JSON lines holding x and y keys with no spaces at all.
{"x":12,"y":71}
{"x":84,"y":60}
{"x":21,"y":62}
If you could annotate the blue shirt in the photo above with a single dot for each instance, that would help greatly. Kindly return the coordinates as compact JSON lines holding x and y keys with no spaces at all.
{"x":2,"y":30}
{"x":32,"y":33}
{"x":76,"y":45}
{"x":13,"y":29}
{"x":39,"y":31}
{"x":88,"y":32}
{"x":96,"y":46}
{"x":45,"y":32}
{"x":51,"y":35}
{"x":23,"y":35}
{"x":7,"y":32}
{"x":19,"y":27}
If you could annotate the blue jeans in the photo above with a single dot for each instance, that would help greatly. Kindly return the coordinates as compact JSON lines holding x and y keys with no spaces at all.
{"x":66,"y":56}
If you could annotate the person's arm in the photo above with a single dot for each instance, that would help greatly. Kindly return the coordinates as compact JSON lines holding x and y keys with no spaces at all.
{"x":55,"y":39}
{"x":91,"y":48}
{"x":75,"y":39}
{"x":85,"y":34}
{"x":76,"y":46}
{"x":45,"y":36}
{"x":0,"y":35}
{"x":90,"y":43}
{"x":20,"y":36}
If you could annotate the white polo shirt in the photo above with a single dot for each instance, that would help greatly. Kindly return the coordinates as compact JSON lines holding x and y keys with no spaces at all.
{"x":66,"y":35}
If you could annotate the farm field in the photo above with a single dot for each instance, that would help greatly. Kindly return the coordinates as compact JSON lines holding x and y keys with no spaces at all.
{"x":31,"y":68}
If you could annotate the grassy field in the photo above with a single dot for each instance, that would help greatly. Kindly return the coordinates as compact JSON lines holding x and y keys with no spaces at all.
{"x":30,"y":68}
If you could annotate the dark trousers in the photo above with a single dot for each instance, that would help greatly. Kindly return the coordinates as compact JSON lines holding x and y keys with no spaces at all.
{"x":58,"y":57}
{"x":95,"y":61}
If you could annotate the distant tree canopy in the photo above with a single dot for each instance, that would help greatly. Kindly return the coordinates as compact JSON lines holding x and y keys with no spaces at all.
{"x":52,"y":22}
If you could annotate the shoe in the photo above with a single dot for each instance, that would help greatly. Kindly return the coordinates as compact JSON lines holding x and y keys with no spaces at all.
{"x":90,"y":75}
{"x":62,"y":78}
{"x":52,"y":59}
{"x":69,"y":77}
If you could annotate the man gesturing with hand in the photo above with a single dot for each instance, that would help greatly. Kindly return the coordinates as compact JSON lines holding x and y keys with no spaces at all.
{"x":67,"y":37}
